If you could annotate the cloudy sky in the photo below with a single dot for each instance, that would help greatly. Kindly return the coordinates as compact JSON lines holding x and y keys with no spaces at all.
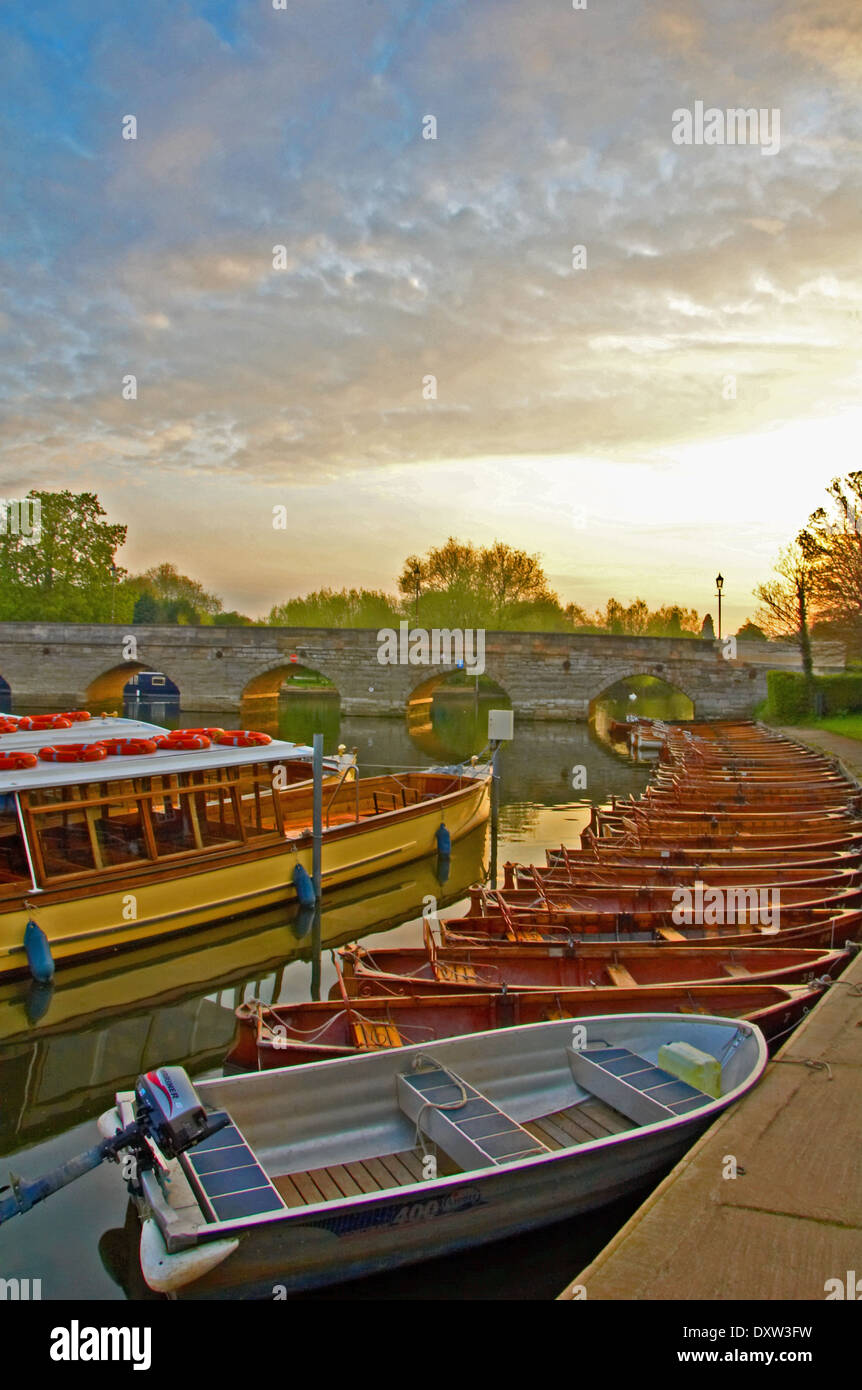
{"x":671,"y":409}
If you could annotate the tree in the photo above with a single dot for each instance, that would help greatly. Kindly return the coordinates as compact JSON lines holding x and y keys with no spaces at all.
{"x":834,"y":546}
{"x":146,"y":610}
{"x":66,"y":572}
{"x":174,"y":597}
{"x":750,"y":632}
{"x":354,"y":608}
{"x":786,"y":601}
{"x":707,"y":631}
{"x":463,"y":585}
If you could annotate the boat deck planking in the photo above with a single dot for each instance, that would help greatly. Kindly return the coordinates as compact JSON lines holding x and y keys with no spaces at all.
{"x":562,"y":1129}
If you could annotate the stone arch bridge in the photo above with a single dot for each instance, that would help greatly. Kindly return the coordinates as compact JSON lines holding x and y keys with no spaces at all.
{"x":545,"y":675}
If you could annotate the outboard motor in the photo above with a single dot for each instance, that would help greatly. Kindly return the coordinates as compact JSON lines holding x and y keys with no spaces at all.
{"x":168,"y":1113}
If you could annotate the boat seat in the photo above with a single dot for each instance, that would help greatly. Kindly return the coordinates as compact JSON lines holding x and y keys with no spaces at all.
{"x":621,"y":977}
{"x":227,"y":1178}
{"x":370,"y":1035}
{"x":456,"y":972}
{"x":635,"y":1087}
{"x":475,"y":1135}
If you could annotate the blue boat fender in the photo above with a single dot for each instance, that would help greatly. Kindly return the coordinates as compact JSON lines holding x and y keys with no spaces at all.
{"x":304,"y":886}
{"x":39,"y":957}
{"x":444,"y":840}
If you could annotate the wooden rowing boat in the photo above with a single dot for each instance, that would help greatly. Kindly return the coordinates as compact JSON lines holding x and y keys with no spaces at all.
{"x":284,"y":1035}
{"x":540,"y":929}
{"x":414,"y":970}
{"x":324,"y":1175}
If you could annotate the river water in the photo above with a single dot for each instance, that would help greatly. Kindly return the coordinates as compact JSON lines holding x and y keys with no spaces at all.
{"x":64,"y":1053}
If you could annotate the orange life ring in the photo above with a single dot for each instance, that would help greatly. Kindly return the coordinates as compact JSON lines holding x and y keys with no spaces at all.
{"x":181,"y":739}
{"x":77,"y":716}
{"x":74,"y":753}
{"x":44,"y":721}
{"x":243,"y":738}
{"x":13,"y":762}
{"x":8,"y":726}
{"x":128,"y":747}
{"x":186,"y":733}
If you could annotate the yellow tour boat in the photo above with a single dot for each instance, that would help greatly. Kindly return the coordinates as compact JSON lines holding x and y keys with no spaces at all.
{"x":114,"y":832}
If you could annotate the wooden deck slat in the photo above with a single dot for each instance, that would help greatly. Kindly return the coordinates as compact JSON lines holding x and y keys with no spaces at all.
{"x":400,"y":1172}
{"x":361,"y":1176}
{"x":348,"y":1185}
{"x":548,"y":1133}
{"x":381,"y":1175}
{"x":614,"y":1122}
{"x":308,"y":1187}
{"x":322,"y":1179}
{"x":580,"y":1134}
{"x":289,"y":1192}
{"x":412,"y":1161}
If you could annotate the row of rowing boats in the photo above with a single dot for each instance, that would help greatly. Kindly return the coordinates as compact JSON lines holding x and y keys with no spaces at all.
{"x":614,"y":926}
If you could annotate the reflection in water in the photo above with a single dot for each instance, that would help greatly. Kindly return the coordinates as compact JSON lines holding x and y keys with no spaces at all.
{"x":647,"y":696}
{"x":62,"y":1056}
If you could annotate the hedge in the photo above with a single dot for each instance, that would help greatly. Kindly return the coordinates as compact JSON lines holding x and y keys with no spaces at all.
{"x":791,"y":697}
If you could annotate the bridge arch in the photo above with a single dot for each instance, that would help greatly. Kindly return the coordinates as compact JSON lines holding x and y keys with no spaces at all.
{"x":111,"y":689}
{"x":5,"y":696}
{"x":641,"y":693}
{"x":287,"y":675}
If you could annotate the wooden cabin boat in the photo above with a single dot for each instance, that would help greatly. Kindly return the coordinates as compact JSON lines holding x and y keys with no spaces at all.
{"x":324,"y":1175}
{"x":284,"y":1035}
{"x":410,"y":970}
{"x":142,"y":833}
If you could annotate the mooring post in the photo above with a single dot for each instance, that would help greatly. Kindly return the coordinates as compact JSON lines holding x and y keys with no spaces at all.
{"x":495,"y":808}
{"x":317,"y":815}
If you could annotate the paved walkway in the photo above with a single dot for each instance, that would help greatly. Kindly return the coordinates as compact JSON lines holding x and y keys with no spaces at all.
{"x":793,"y":1219}
{"x":847,"y":750}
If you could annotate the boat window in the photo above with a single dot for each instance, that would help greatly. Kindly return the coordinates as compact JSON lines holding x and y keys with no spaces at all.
{"x":65,"y":839}
{"x":254,"y":789}
{"x":13,"y":860}
{"x":192,"y":810}
{"x":118,"y":832}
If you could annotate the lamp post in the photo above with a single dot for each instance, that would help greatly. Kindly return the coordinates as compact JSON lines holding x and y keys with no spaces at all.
{"x":113,"y":587}
{"x":416,"y":575}
{"x":719,"y":585}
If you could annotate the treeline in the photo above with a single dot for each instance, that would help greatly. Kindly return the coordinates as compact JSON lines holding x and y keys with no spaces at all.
{"x":69,"y":573}
{"x":461,"y":585}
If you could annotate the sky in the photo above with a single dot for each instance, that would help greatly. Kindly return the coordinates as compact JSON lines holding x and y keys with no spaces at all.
{"x":673,"y":407}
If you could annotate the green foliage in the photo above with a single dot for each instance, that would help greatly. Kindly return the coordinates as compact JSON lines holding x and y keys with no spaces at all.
{"x":792,"y":698}
{"x":789,"y":696}
{"x":352,"y":608}
{"x":66,"y":574}
{"x":461,"y":585}
{"x":750,"y":632}
{"x":174,"y":598}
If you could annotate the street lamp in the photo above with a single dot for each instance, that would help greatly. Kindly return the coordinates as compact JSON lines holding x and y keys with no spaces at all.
{"x":416,"y":576}
{"x":719,"y":585}
{"x":114,"y":573}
